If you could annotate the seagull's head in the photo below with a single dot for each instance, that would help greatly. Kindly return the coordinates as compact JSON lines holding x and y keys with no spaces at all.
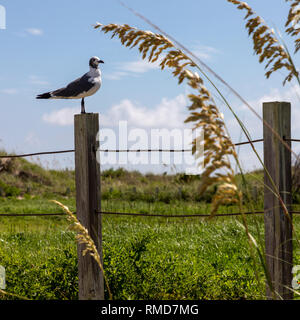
{"x":94,"y":62}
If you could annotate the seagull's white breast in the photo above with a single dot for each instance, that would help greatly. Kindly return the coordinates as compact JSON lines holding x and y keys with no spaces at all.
{"x":95,"y":78}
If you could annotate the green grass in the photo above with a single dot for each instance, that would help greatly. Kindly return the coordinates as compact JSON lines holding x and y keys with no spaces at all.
{"x":24,"y":179}
{"x":179,"y":260}
{"x":144,"y":258}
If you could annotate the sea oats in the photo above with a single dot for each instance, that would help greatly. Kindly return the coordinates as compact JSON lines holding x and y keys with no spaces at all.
{"x":292,"y":23}
{"x":265,"y":43}
{"x":204,"y":112}
{"x":83,"y":237}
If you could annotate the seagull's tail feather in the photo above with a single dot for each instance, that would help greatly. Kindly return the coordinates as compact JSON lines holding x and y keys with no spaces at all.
{"x":46,"y":95}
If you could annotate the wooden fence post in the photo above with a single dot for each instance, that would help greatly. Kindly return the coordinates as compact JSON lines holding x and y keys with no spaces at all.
{"x":86,"y":126}
{"x":278,"y":229}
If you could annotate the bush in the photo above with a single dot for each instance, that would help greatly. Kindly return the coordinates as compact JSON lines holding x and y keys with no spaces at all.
{"x":8,"y":191}
{"x":111,"y":173}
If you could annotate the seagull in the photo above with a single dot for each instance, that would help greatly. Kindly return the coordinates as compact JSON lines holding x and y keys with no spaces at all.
{"x":80,"y":88}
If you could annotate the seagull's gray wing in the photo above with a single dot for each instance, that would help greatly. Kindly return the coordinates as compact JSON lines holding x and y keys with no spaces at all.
{"x":74,"y":88}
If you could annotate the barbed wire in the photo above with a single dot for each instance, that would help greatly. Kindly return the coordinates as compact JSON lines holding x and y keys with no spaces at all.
{"x":34,"y":154}
{"x":248,"y":142}
{"x":128,"y":213}
{"x":145,"y":150}
{"x":176,"y":215}
{"x":292,"y":140}
{"x":128,"y":150}
{"x":204,"y":215}
{"x":111,"y":150}
{"x":31,"y":214}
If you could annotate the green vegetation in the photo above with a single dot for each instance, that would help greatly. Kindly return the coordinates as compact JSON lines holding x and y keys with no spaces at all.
{"x":22,"y":179}
{"x":144,"y":258}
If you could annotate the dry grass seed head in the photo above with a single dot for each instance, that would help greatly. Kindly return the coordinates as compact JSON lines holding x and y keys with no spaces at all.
{"x":266,"y":45}
{"x":204,"y":112}
{"x":292,"y":23}
{"x":83,"y":237}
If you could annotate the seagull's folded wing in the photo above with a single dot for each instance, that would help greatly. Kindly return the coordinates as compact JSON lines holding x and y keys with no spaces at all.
{"x":75,"y":88}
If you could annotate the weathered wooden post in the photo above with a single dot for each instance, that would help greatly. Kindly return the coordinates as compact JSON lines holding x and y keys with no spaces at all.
{"x":86,"y":126}
{"x":278,"y":228}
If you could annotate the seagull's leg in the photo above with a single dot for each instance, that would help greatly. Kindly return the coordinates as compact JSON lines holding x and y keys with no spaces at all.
{"x":82,"y":106}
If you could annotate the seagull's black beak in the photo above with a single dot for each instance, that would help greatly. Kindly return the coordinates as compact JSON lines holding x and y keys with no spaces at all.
{"x":101,"y":61}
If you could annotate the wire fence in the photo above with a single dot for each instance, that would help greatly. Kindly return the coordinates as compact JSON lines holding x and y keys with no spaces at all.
{"x":127,"y":150}
{"x":204,"y":215}
{"x":34,"y":154}
{"x":129,"y":213}
{"x":114,"y":150}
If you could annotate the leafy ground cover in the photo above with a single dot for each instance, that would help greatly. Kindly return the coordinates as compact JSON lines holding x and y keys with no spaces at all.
{"x":144,"y":258}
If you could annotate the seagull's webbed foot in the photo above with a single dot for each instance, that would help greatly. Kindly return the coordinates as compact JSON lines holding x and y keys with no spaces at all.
{"x":82,"y":106}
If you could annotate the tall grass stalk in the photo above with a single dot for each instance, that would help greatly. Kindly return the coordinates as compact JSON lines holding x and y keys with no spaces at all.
{"x":222,"y":191}
{"x":204,"y":113}
{"x":83,"y":237}
{"x":286,"y":55}
{"x":269,"y":48}
{"x":215,"y":74}
{"x":241,"y":124}
{"x":131,"y":37}
{"x":265,"y":44}
{"x":4,"y":293}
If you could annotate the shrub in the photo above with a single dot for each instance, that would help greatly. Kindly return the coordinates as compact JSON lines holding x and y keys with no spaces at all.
{"x":8,"y":191}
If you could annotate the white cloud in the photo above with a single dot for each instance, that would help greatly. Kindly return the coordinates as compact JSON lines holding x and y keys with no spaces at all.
{"x":253,"y":123}
{"x":255,"y":126}
{"x":116,"y":75}
{"x":36,"y":80}
{"x":131,"y":68}
{"x":140,"y":66}
{"x":134,"y":68}
{"x":291,"y":95}
{"x":10,"y":91}
{"x":32,"y":139}
{"x":62,"y":117}
{"x":169,"y":113}
{"x":34,"y":31}
{"x":204,"y":52}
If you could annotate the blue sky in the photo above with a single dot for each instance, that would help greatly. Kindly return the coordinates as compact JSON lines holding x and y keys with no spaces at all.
{"x":47,"y":44}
